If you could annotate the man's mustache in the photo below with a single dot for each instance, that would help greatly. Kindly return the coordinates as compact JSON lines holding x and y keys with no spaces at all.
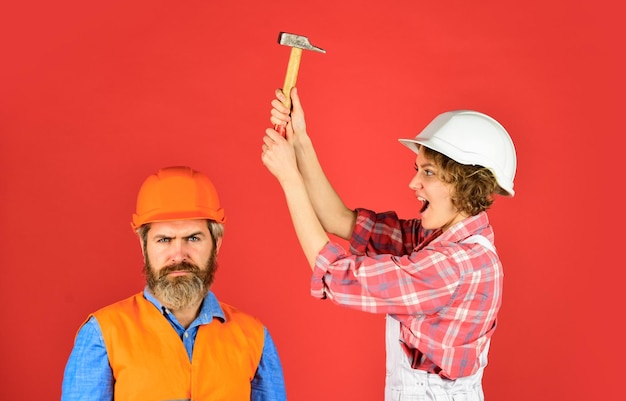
{"x":182,"y":266}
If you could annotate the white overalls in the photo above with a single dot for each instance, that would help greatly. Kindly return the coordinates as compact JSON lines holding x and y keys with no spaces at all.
{"x":404,"y":383}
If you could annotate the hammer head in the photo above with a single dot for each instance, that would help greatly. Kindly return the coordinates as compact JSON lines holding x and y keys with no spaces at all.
{"x":301,"y":42}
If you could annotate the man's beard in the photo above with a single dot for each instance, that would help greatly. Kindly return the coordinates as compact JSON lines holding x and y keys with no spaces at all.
{"x":181,"y":291}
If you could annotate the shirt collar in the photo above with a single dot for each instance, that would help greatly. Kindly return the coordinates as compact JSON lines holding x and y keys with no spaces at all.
{"x":472,"y":225}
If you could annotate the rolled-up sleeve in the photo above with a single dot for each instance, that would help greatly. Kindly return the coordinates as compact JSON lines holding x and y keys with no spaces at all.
{"x":372,"y":234}
{"x":383,"y":273}
{"x":327,"y":256}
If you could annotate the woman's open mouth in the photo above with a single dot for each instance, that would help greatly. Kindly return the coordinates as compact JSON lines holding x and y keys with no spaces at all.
{"x":425,"y":204}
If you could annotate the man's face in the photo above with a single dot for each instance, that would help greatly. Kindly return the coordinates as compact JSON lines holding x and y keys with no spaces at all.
{"x":180,"y":262}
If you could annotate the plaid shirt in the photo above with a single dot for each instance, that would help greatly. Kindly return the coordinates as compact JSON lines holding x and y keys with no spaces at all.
{"x":445,"y":293}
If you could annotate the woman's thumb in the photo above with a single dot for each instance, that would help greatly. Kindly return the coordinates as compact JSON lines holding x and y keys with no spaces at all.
{"x":295,"y":100}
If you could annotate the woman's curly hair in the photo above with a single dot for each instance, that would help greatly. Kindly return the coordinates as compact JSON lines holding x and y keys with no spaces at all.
{"x":473,"y":185}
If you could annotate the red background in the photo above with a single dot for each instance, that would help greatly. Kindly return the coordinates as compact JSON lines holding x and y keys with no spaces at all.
{"x":97,"y":95}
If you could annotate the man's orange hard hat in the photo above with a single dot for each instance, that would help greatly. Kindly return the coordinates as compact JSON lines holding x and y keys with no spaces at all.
{"x":177,"y":193}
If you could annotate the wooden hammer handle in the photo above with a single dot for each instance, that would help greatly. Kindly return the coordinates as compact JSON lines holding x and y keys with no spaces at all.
{"x":290,"y":81}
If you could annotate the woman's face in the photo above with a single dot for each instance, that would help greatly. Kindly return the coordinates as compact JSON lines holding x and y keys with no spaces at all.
{"x":437,"y":209}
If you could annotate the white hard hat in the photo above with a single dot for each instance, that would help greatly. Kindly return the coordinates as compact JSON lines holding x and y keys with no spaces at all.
{"x":470,"y":137}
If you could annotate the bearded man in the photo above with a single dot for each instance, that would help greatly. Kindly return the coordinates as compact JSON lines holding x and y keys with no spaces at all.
{"x":174,"y":340}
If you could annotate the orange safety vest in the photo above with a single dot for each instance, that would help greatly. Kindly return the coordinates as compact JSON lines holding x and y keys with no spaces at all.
{"x":150,"y":363}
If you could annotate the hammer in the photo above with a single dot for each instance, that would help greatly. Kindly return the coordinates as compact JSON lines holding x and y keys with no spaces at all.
{"x":297,"y":44}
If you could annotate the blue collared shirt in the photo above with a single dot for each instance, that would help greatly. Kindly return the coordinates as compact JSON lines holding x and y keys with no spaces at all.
{"x":88,"y":375}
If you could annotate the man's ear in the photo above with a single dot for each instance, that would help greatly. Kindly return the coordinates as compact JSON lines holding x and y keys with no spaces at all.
{"x":141,"y":244}
{"x":218,"y":244}
{"x":142,"y":232}
{"x":143,"y":248}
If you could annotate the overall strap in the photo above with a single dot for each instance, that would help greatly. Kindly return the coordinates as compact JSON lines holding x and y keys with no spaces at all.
{"x":480,"y":239}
